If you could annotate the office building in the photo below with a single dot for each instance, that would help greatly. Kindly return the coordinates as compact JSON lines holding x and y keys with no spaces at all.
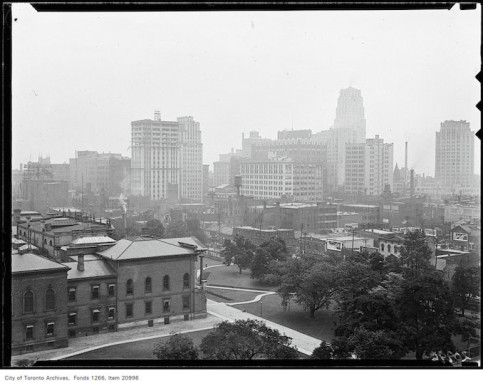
{"x":191,"y":159}
{"x":283,"y":177}
{"x":369,"y":168}
{"x":455,"y":145}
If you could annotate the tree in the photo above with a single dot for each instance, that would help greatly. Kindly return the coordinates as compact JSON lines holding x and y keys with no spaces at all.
{"x":246,"y":340}
{"x":177,"y":229}
{"x":322,"y":352}
{"x":426,"y":314}
{"x":154,"y":228}
{"x":310,"y":280}
{"x":178,"y":347}
{"x":415,"y":252}
{"x":240,"y":251}
{"x":194,"y":228}
{"x":272,"y":250}
{"x":367,"y":344}
{"x":466,"y":286}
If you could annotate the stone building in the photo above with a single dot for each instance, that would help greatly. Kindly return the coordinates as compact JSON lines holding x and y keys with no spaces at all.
{"x":39,"y":303}
{"x":156,"y":280}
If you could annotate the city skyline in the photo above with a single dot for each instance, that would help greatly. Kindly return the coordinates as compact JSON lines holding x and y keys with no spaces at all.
{"x":87,"y":85}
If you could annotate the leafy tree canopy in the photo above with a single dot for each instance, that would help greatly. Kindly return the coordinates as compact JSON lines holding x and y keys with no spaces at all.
{"x":178,"y":347}
{"x":310,"y":280}
{"x":415,"y":252}
{"x":465,"y":287}
{"x":240,"y":251}
{"x":154,"y":228}
{"x":272,"y":250}
{"x":246,"y":340}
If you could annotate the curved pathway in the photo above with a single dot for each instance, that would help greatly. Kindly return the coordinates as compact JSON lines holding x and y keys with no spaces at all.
{"x":256,"y":299}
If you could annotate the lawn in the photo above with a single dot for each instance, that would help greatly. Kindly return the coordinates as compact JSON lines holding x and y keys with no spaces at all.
{"x":135,"y":350}
{"x":320,"y":327}
{"x":229,"y":276}
{"x":230,"y":296}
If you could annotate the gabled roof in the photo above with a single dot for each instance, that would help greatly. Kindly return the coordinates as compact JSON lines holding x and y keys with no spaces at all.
{"x":92,"y":269}
{"x":143,"y":247}
{"x":188,"y":240}
{"x":30,"y":262}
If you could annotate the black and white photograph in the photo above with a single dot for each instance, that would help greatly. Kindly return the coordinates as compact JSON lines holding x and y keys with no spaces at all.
{"x":269,"y":187}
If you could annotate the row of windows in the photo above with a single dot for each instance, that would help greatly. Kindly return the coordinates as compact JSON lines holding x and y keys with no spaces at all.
{"x":111,"y":292}
{"x":49,"y":330}
{"x":148,"y":306}
{"x":95,"y":314}
{"x":29,"y":305}
{"x":148,"y":284}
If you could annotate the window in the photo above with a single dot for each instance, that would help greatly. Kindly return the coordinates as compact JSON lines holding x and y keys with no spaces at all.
{"x":71,"y":332}
{"x":29,"y":332}
{"x":166,"y":305}
{"x":49,"y":299}
{"x":186,"y":281}
{"x":186,"y":302}
{"x":95,"y":291}
{"x":382,"y":247}
{"x":72,"y":294}
{"x":95,"y":316}
{"x":129,"y":287}
{"x":111,"y":313}
{"x":388,"y":248}
{"x":147,"y":286}
{"x":72,"y":318}
{"x":148,"y":308}
{"x":166,"y":282}
{"x":128,"y":310}
{"x":28,"y":302}
{"x":111,"y":289}
{"x":50,"y":329}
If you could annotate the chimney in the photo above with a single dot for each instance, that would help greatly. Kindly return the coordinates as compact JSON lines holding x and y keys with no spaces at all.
{"x":80,"y":262}
{"x":411,"y":184}
{"x":405,"y":168}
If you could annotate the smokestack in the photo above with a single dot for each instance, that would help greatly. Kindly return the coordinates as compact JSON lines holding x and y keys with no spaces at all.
{"x":406,"y":168}
{"x":411,"y":189}
{"x":80,"y":262}
{"x":238,"y":183}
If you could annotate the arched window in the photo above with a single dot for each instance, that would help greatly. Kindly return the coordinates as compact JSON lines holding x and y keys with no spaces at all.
{"x":166,"y":282}
{"x":186,"y":280}
{"x":388,"y":248}
{"x":382,"y":247}
{"x":147,"y":285}
{"x":129,"y":287}
{"x":50,"y":299}
{"x":50,"y":242}
{"x":28,"y":302}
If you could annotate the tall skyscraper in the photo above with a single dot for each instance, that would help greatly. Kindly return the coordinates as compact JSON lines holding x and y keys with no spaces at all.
{"x":191,"y":159}
{"x":167,"y":159}
{"x":350,"y":113}
{"x":349,"y":128}
{"x":156,"y":157}
{"x":369,"y":166}
{"x":455,"y":144}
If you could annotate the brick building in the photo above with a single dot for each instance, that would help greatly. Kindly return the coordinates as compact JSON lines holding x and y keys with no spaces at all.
{"x":92,"y":304}
{"x":39,"y":303}
{"x":156,"y":280}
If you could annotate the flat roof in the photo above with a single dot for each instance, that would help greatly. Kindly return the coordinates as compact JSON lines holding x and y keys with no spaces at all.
{"x":361,"y":205}
{"x":378,"y":231}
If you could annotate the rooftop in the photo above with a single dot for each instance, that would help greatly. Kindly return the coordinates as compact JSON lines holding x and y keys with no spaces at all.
{"x":32,"y":262}
{"x":92,"y":268}
{"x":145,"y":247}
{"x":92,"y":240}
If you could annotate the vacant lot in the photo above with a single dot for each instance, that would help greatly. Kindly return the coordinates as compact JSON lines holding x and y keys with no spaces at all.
{"x":135,"y":350}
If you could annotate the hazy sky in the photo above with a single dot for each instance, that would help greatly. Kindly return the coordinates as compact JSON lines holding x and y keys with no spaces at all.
{"x":79,"y":79}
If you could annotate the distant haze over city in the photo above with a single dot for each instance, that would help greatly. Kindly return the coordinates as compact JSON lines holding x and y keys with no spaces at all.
{"x":80,"y":79}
